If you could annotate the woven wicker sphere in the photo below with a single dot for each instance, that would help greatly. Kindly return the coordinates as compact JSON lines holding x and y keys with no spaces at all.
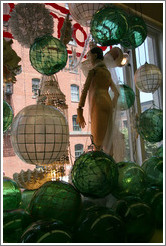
{"x":126,"y":97}
{"x":148,"y":78}
{"x":40,"y":134}
{"x":48,"y":55}
{"x":7,"y":116}
{"x":83,"y":12}
{"x":136,"y":33}
{"x":94,"y":174}
{"x":108,"y":26}
{"x":150,"y":125}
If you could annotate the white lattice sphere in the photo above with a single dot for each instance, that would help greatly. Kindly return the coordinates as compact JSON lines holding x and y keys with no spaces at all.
{"x":40,"y":134}
{"x":83,"y":12}
{"x":148,"y":78}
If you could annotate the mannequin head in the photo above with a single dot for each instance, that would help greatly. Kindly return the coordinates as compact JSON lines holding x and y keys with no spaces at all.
{"x":95,"y":55}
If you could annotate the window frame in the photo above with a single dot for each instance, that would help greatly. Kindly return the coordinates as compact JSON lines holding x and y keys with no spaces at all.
{"x":76,"y":94}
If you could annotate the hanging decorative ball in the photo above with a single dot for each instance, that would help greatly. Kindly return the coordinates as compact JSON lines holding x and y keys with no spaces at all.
{"x":126,"y":97}
{"x":40,"y":134}
{"x":14,"y":223}
{"x":153,"y":168}
{"x":131,"y":180}
{"x":159,"y":151}
{"x":56,"y":200}
{"x":100,"y":225}
{"x":11,"y":194}
{"x":83,"y":12}
{"x":29,"y":21}
{"x":148,"y":78}
{"x":48,"y":55}
{"x":95,"y":174}
{"x":113,"y":58}
{"x":7,"y":116}
{"x":136,"y":33}
{"x":108,"y":26}
{"x":150,"y":125}
{"x":26,"y":197}
{"x":47,"y":232}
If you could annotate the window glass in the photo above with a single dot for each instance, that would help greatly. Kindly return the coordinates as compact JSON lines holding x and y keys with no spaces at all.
{"x":78,"y":150}
{"x":72,"y":62}
{"x":74,"y":93}
{"x":35,"y":87}
{"x":75,"y":125}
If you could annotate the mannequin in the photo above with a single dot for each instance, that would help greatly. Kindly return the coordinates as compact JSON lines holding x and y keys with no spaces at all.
{"x":100,"y":103}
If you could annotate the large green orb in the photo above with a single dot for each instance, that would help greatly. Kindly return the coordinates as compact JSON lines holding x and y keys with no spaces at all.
{"x":150,"y":125}
{"x":7,"y":116}
{"x":100,"y":225}
{"x":48,"y":55}
{"x":108,"y":26}
{"x":14,"y":223}
{"x":95,"y":174}
{"x":56,"y":200}
{"x":131,"y":181}
{"x":26,"y":197}
{"x":47,"y":232}
{"x":153,"y":168}
{"x":136,"y":33}
{"x":11,"y":194}
{"x":126,"y":97}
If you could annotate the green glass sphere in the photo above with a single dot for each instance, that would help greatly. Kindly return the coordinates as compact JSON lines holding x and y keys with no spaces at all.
{"x":95,"y":174}
{"x":7,"y":116}
{"x":26,"y":197}
{"x":47,"y":232}
{"x":56,"y":200}
{"x":150,"y":125}
{"x":11,"y":194}
{"x":131,"y":180}
{"x":108,"y":26}
{"x":100,"y":225}
{"x":159,"y":151}
{"x":48,"y":55}
{"x":126,"y":97}
{"x":153,"y":168}
{"x":139,"y":223}
{"x":14,"y":223}
{"x":136,"y":33}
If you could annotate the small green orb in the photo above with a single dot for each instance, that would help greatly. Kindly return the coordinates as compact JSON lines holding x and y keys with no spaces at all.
{"x":47,"y":232}
{"x":56,"y":200}
{"x":11,"y":194}
{"x":7,"y":116}
{"x":150,"y":125}
{"x":48,"y":55}
{"x":14,"y":223}
{"x":136,"y":33}
{"x":126,"y":97}
{"x":95,"y":174}
{"x":108,"y":26}
{"x":153,"y":168}
{"x":131,"y":180}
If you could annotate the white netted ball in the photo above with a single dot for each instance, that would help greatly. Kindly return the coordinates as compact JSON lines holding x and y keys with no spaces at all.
{"x":148,"y":78}
{"x":40,"y":134}
{"x":83,"y":12}
{"x":29,"y":21}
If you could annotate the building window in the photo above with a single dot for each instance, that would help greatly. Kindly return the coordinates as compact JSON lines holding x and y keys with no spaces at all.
{"x":75,"y":125}
{"x":35,"y":87}
{"x":72,"y":62}
{"x":74,"y":93}
{"x":78,"y":150}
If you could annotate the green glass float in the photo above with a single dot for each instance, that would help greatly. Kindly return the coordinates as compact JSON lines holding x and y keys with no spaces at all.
{"x":153,"y":168}
{"x":126,"y":97}
{"x":150,"y":125}
{"x":14,"y":223}
{"x":7,"y":116}
{"x":159,"y":151}
{"x":100,"y":225}
{"x":136,"y":33}
{"x":56,"y":200}
{"x":131,"y":180}
{"x":47,"y":232}
{"x":11,"y":194}
{"x":139,"y":223}
{"x":95,"y":174}
{"x":108,"y":25}
{"x":48,"y":55}
{"x":26,"y":197}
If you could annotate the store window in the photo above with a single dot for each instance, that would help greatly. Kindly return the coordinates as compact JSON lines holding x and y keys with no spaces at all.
{"x":78,"y":150}
{"x":75,"y":125}
{"x":74,"y":93}
{"x":35,"y":87}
